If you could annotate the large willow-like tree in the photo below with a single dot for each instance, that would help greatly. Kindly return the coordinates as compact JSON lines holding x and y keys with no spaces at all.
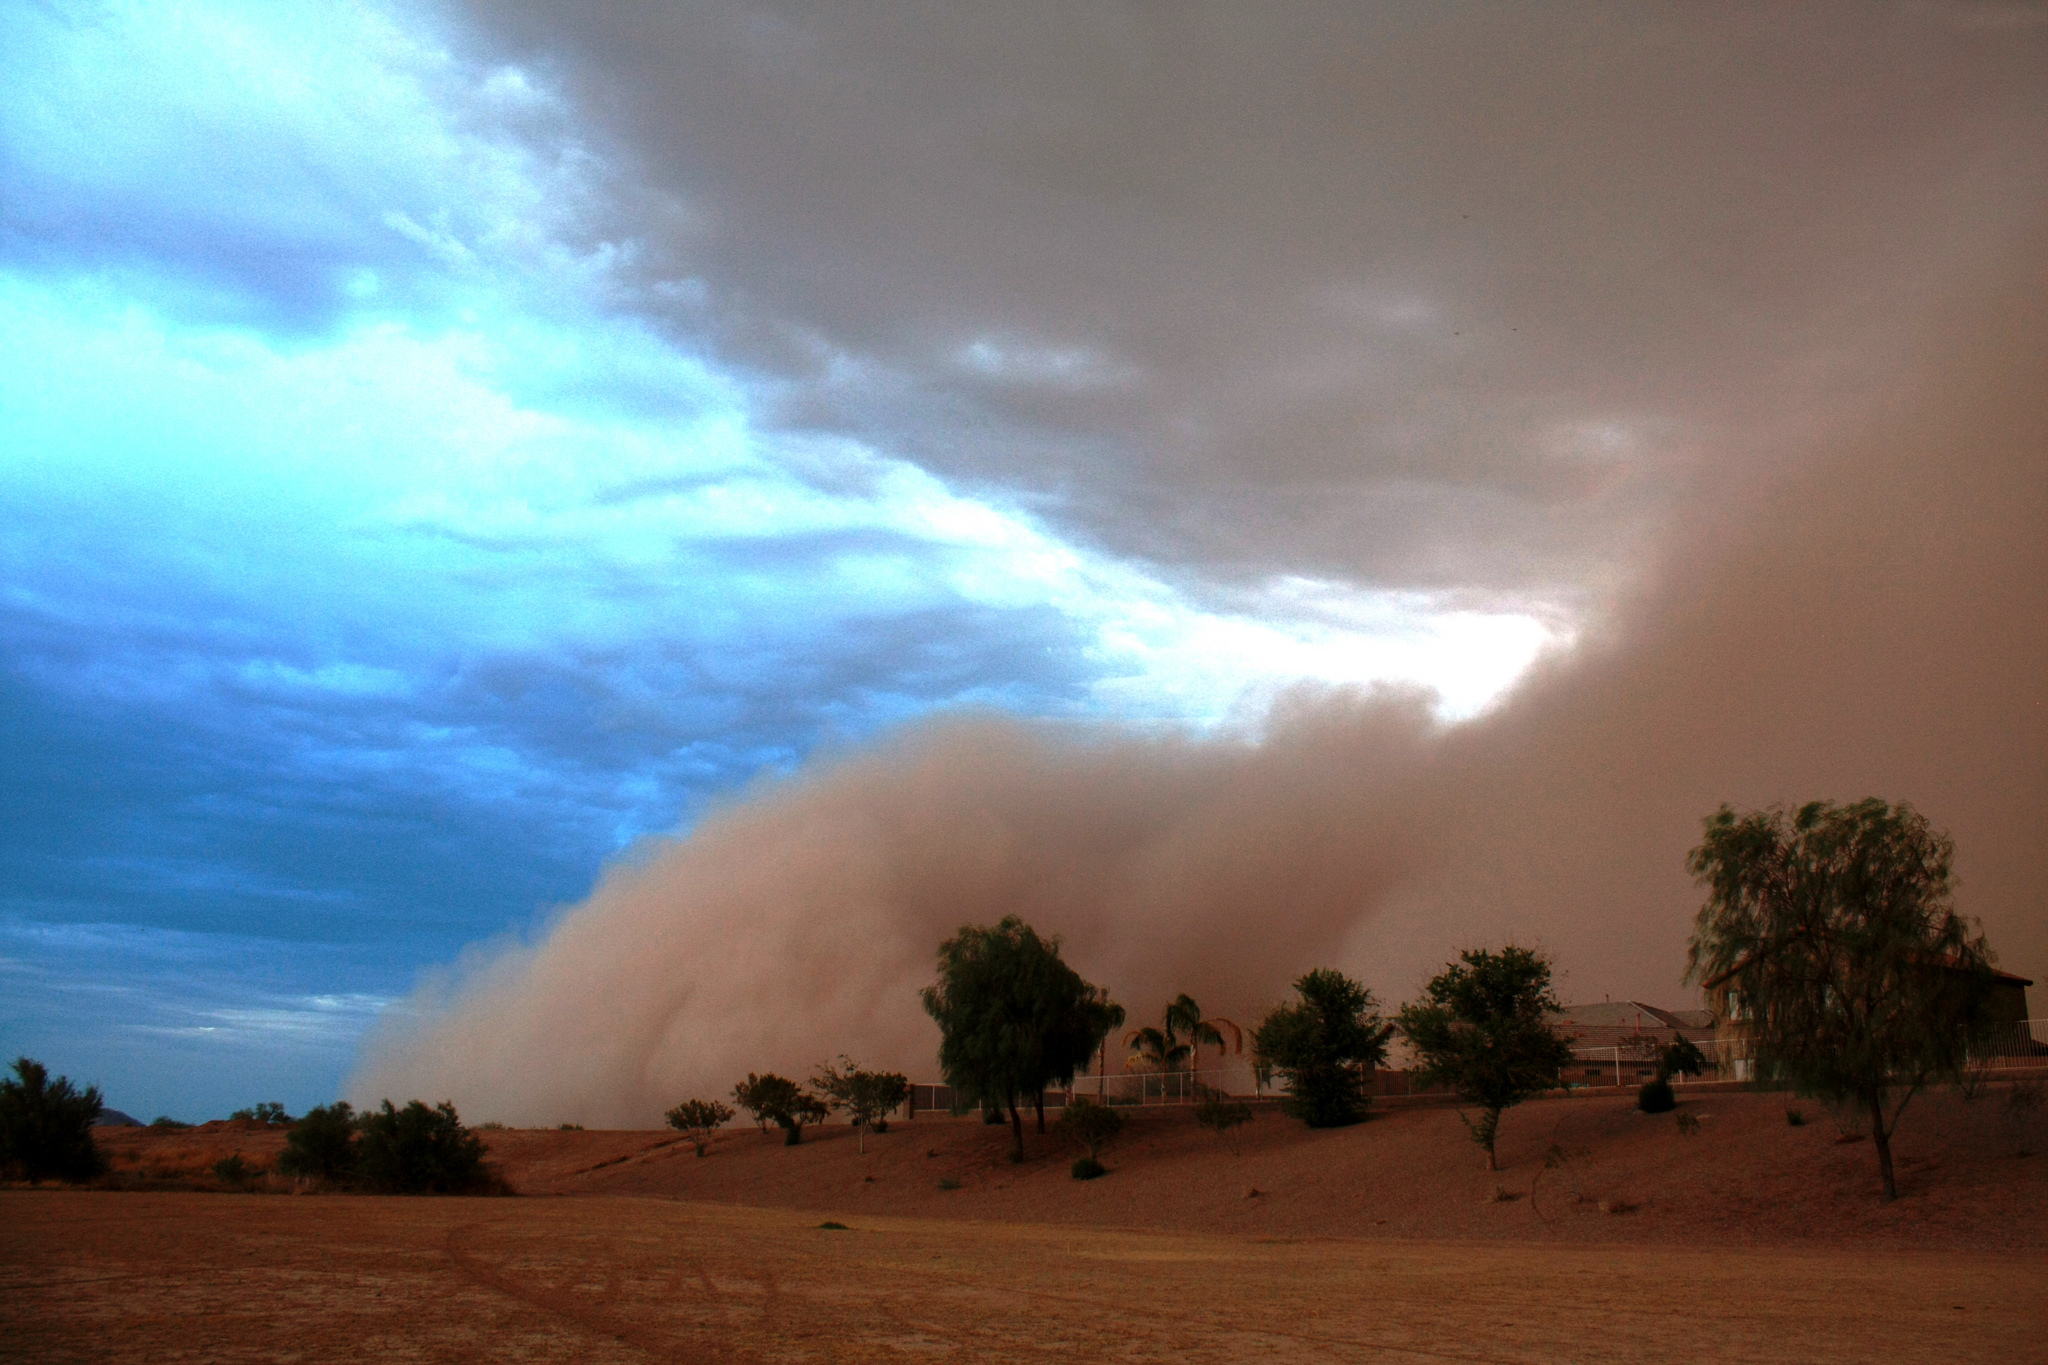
{"x":1854,"y":976}
{"x":1013,"y":1018}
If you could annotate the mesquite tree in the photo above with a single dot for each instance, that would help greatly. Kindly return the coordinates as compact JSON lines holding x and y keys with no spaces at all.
{"x":1829,"y":935}
{"x":1483,"y":1028}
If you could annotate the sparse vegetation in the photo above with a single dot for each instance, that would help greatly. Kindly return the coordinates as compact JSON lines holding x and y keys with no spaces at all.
{"x":1832,"y":930}
{"x":322,"y":1145}
{"x":164,"y":1123}
{"x":1795,"y":1117}
{"x":780,"y":1101}
{"x":1482,"y":1029}
{"x":270,"y":1114}
{"x":1688,"y":1125}
{"x":419,"y":1149}
{"x":1320,"y":1045}
{"x":1656,"y":1097}
{"x":46,"y":1125}
{"x":867,"y":1096}
{"x":234,"y":1172}
{"x":568,"y":1127}
{"x":947,"y":1182}
{"x":1094,"y":1126}
{"x":1088,"y":1168}
{"x":697,"y":1120}
{"x":1222,"y":1115}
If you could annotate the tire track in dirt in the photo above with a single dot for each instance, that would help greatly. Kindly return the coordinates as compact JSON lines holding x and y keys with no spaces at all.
{"x":572,"y":1308}
{"x":1108,"y":1305}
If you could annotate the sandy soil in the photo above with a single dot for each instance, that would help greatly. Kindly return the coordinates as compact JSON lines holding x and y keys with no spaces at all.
{"x":1745,"y":1177}
{"x":1749,"y":1239}
{"x":88,"y":1276}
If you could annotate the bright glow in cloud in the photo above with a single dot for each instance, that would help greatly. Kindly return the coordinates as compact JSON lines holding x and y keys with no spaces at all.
{"x":352,"y":529}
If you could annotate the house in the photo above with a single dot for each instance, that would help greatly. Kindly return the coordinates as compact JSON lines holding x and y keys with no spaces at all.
{"x":1617,"y":1042}
{"x":2005,"y":1020}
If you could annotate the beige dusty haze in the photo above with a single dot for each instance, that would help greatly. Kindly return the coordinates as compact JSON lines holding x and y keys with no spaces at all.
{"x":1825,"y":338}
{"x":1872,"y":623}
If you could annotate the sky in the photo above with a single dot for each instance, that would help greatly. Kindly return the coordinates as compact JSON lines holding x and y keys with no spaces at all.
{"x":486,"y":489}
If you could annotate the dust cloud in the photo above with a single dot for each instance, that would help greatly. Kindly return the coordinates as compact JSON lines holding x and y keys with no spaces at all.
{"x":1870,"y":621}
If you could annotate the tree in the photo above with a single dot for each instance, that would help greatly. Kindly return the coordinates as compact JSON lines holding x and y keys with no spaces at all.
{"x":1482,"y":1029}
{"x":322,"y":1144}
{"x":1830,"y":931}
{"x":1013,"y":1018}
{"x":419,"y":1149}
{"x":46,"y":1125}
{"x":866,"y":1095}
{"x":697,"y":1120}
{"x":780,"y":1101}
{"x":1681,"y":1057}
{"x":1319,"y":1044}
{"x":1162,"y":1049}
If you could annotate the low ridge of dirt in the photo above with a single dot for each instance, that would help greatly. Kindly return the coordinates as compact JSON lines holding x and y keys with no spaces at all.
{"x":1972,"y":1174}
{"x":1581,"y":1170}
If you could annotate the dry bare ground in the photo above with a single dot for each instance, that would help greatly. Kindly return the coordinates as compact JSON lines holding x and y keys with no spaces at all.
{"x":1749,"y":1240}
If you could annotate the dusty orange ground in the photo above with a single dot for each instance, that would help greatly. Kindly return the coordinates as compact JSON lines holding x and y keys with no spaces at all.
{"x":164,"y":1277}
{"x":1744,"y":1178}
{"x":1750,"y":1240}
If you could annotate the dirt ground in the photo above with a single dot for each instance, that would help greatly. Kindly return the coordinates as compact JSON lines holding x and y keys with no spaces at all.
{"x":1746,"y":1238}
{"x":89,"y":1276}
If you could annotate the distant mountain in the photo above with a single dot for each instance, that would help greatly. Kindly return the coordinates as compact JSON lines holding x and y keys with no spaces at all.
{"x":114,"y":1118}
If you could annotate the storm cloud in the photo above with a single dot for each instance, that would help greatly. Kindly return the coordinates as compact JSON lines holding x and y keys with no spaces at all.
{"x":1724,"y":329}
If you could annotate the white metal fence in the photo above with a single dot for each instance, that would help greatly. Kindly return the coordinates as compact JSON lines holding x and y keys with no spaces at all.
{"x":1122,"y":1089}
{"x":1997,"y":1048}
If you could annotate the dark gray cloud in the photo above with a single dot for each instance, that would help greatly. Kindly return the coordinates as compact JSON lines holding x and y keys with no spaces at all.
{"x":1459,"y":295}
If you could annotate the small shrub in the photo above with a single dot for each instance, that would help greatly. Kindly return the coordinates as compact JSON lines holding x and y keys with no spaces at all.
{"x":1656,"y":1097}
{"x":1094,"y":1126}
{"x":568,"y":1127}
{"x":1687,"y":1125}
{"x":1221,"y":1115}
{"x":992,"y":1117}
{"x":1088,"y":1168}
{"x":829,"y":1226}
{"x":419,"y":1149}
{"x":1795,"y":1118}
{"x":490,"y":1126}
{"x":164,"y":1123}
{"x":46,"y":1125}
{"x":270,"y":1114}
{"x":947,"y":1182}
{"x":698,"y":1119}
{"x":322,"y":1144}
{"x":232,"y":1170}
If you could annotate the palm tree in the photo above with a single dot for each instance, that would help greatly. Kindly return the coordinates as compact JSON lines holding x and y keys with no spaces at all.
{"x":1162,"y":1049}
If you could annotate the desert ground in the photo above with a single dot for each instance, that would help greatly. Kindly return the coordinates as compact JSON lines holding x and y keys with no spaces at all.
{"x":1607,"y":1236}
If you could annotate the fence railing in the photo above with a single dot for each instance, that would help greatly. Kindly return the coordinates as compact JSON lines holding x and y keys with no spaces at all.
{"x":1997,"y":1047}
{"x":1992,"y":1048}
